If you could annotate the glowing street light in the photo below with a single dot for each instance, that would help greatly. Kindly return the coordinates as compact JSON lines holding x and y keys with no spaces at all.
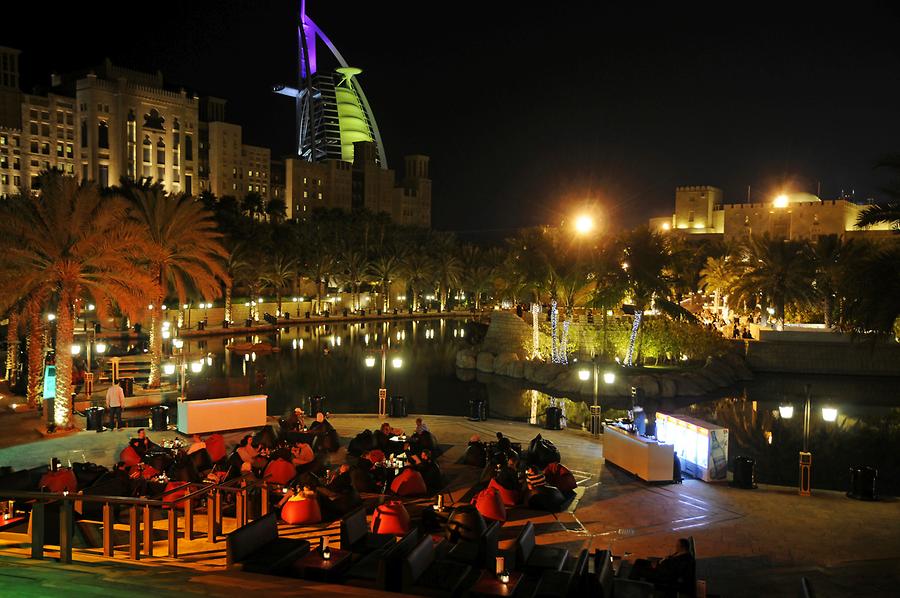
{"x":197,"y":366}
{"x":829,"y":414}
{"x":584,"y":375}
{"x":169,"y":369}
{"x":51,"y":317}
{"x":75,"y":349}
{"x":177,"y":343}
{"x":100,"y":348}
{"x":397,"y":362}
{"x":609,"y":377}
{"x":370,"y":361}
{"x":786,"y":411}
{"x":584,"y":224}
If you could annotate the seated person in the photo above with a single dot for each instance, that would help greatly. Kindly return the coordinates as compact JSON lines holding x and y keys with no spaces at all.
{"x":674,"y":570}
{"x":428,"y":467}
{"x":383,"y":440}
{"x":295,"y":421}
{"x":302,"y":454}
{"x":196,"y":445}
{"x":507,"y":475}
{"x":142,"y":445}
{"x":361,"y":476}
{"x":249,"y":454}
{"x":326,"y":435}
{"x":476,"y":454}
{"x":534,"y":478}
{"x":338,"y":496}
{"x":420,"y":426}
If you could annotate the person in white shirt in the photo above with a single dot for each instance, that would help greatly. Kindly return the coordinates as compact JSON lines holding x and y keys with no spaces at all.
{"x":115,"y":400}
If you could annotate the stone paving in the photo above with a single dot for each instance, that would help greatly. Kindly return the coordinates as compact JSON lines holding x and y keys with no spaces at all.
{"x":749,"y":542}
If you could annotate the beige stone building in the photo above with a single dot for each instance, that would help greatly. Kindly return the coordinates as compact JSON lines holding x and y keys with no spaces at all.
{"x":700,"y":212}
{"x":360,"y":184}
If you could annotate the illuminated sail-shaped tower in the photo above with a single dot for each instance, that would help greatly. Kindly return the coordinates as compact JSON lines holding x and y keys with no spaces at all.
{"x":332,"y":110}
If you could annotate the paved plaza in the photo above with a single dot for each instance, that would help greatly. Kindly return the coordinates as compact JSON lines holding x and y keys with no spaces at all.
{"x":749,"y":542}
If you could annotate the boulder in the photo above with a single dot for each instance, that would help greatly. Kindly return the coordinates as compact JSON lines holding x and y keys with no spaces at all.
{"x":466,"y":375}
{"x":485,"y":362}
{"x":503,"y":361}
{"x":528,"y":369}
{"x":667,"y":387}
{"x":465,"y":359}
{"x":647,"y":384}
{"x":739,"y":366}
{"x":517,"y":369}
{"x":567,"y":382}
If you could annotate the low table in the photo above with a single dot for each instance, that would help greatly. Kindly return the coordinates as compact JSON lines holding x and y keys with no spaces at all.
{"x":7,"y":524}
{"x":489,"y":585}
{"x":313,"y":566}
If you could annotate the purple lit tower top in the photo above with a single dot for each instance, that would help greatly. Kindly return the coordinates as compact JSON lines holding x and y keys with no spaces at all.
{"x":322,"y":95}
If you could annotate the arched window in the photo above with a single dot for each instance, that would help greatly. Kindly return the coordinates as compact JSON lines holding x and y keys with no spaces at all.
{"x":160,"y":151}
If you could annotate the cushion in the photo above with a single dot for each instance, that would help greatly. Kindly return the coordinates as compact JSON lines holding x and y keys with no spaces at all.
{"x":475,"y":455}
{"x":354,"y":528}
{"x":390,"y":518}
{"x":361,"y":443}
{"x":169,"y":499}
{"x":60,"y":480}
{"x":509,"y":497}
{"x":129,"y":456}
{"x":367,"y":567}
{"x":375,"y":455}
{"x":215,"y":446}
{"x":409,"y":483}
{"x":525,"y":543}
{"x":280,"y":471}
{"x":201,"y":460}
{"x":465,"y":523}
{"x":546,"y":498}
{"x":542,"y":452}
{"x":442,"y":577}
{"x":300,"y":510}
{"x":490,"y":504}
{"x":559,"y":475}
{"x":246,"y":540}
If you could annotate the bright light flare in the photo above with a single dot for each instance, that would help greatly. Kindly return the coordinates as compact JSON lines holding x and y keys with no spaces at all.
{"x":829,"y":414}
{"x":584,"y":224}
{"x":781,"y":201}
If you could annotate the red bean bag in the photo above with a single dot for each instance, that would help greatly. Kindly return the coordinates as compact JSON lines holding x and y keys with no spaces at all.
{"x":559,"y":475}
{"x":149,"y":472}
{"x":390,"y":518}
{"x":299,"y":509}
{"x":490,"y":504}
{"x":59,"y":481}
{"x":129,"y":456}
{"x":215,"y":446}
{"x":280,"y":471}
{"x":375,"y":456}
{"x":409,"y":483}
{"x":169,"y":499}
{"x":510,"y":497}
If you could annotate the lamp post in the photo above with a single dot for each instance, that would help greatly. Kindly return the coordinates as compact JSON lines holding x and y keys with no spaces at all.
{"x":396,"y":362}
{"x":829,"y":414}
{"x":584,"y":375}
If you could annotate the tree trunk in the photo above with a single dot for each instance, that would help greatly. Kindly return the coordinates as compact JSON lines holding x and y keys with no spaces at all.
{"x":12,"y":347}
{"x":35,"y":348}
{"x":65,"y":331}
{"x":228,"y":303}
{"x":278,"y":304}
{"x":828,"y":308}
{"x":385,"y":300}
{"x":155,"y":345}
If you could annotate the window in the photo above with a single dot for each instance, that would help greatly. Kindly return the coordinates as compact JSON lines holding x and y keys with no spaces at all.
{"x":4,"y":140}
{"x":84,"y":174}
{"x":4,"y":162}
{"x":103,"y":134}
{"x":234,"y":172}
{"x":249,"y":173}
{"x":305,"y":194}
{"x":17,"y":180}
{"x":249,"y":187}
{"x":304,"y":180}
{"x":161,"y":174}
{"x":320,"y":195}
{"x":34,"y":128}
{"x":70,"y":150}
{"x":33,"y":114}
{"x":84,"y":132}
{"x":69,"y":118}
{"x":4,"y":179}
{"x":45,"y":148}
{"x":160,"y":152}
{"x":60,"y":117}
{"x":188,"y":147}
{"x":60,"y":150}
{"x":104,"y":175}
{"x":70,"y":168}
{"x":16,"y":165}
{"x":45,"y":130}
{"x":146,"y":152}
{"x":187,"y":184}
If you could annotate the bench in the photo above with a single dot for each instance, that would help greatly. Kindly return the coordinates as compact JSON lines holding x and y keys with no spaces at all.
{"x":601,"y":584}
{"x":380,"y":569}
{"x":423,"y":574}
{"x":481,"y":553}
{"x":355,"y":535}
{"x":256,"y":547}
{"x":531,"y":558}
{"x":570,"y":581}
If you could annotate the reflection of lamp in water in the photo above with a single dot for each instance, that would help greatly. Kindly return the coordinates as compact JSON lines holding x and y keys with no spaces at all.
{"x":169,"y":369}
{"x":397,"y":362}
{"x":197,"y":367}
{"x":584,"y":375}
{"x":370,"y":361}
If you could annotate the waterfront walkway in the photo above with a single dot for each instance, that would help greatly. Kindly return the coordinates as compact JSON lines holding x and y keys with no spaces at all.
{"x":749,"y":542}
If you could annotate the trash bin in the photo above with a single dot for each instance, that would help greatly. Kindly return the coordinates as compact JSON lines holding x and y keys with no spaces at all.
{"x":346,"y":312}
{"x":159,"y":418}
{"x":316,"y":404}
{"x":307,"y":315}
{"x":862,"y":482}
{"x":94,"y":416}
{"x":201,"y":325}
{"x":553,"y":418}
{"x":744,"y":473}
{"x":397,"y":407}
{"x":477,"y":410}
{"x":248,"y":322}
{"x":596,"y":421}
{"x":127,"y":386}
{"x":137,"y":328}
{"x":225,"y":323}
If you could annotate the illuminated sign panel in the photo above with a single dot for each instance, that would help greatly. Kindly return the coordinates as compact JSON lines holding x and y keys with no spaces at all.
{"x":702,"y":447}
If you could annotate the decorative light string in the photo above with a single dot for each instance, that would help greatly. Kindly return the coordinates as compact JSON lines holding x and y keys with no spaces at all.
{"x":634,"y":330}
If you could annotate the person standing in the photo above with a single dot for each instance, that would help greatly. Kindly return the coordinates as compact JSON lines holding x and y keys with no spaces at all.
{"x":115,"y":400}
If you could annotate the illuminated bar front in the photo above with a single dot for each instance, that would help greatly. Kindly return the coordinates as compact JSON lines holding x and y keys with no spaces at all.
{"x":702,"y":447}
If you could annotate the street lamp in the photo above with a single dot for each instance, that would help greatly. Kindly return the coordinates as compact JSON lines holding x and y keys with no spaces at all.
{"x":397,"y":362}
{"x":829,"y":414}
{"x":781,"y":201}
{"x":585,"y":374}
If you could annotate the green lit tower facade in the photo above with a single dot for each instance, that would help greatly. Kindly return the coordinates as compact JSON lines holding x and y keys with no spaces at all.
{"x":331,"y":108}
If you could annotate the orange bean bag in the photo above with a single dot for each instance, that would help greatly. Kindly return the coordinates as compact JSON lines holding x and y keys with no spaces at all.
{"x":215,"y":446}
{"x":390,"y":518}
{"x":280,"y":471}
{"x":510,"y":498}
{"x":149,"y":472}
{"x":299,"y":509}
{"x":129,"y":456}
{"x":490,"y":504}
{"x":59,"y":481}
{"x":409,"y":483}
{"x":559,"y":475}
{"x":169,"y":499}
{"x":375,"y":456}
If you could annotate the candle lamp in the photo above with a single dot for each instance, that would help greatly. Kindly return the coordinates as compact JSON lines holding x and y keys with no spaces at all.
{"x":504,"y":576}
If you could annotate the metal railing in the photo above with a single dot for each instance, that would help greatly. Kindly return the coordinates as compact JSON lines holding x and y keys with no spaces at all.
{"x":140,"y":514}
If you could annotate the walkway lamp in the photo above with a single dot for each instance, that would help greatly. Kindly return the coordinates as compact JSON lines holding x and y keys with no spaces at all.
{"x":593,"y":372}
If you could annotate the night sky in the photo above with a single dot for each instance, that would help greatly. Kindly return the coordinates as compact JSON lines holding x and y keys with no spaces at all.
{"x":527,"y":112}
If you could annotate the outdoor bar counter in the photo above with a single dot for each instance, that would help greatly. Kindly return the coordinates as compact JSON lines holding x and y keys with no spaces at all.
{"x":216,"y":415}
{"x":644,"y":457}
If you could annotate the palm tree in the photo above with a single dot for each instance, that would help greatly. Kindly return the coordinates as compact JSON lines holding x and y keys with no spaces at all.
{"x":279,"y":275}
{"x":84,"y":246}
{"x":832,"y":258}
{"x":276,"y":210}
{"x":718,"y":276}
{"x":252,"y":204}
{"x":237,"y":266}
{"x":886,"y":213}
{"x":319,"y":266}
{"x":779,"y":271}
{"x":447,"y":266}
{"x":185,"y":254}
{"x":478,"y":272}
{"x":872,"y":298}
{"x":387,"y":266}
{"x":418,"y":269}
{"x":644,"y":261}
{"x":354,"y":267}
{"x":12,"y":345}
